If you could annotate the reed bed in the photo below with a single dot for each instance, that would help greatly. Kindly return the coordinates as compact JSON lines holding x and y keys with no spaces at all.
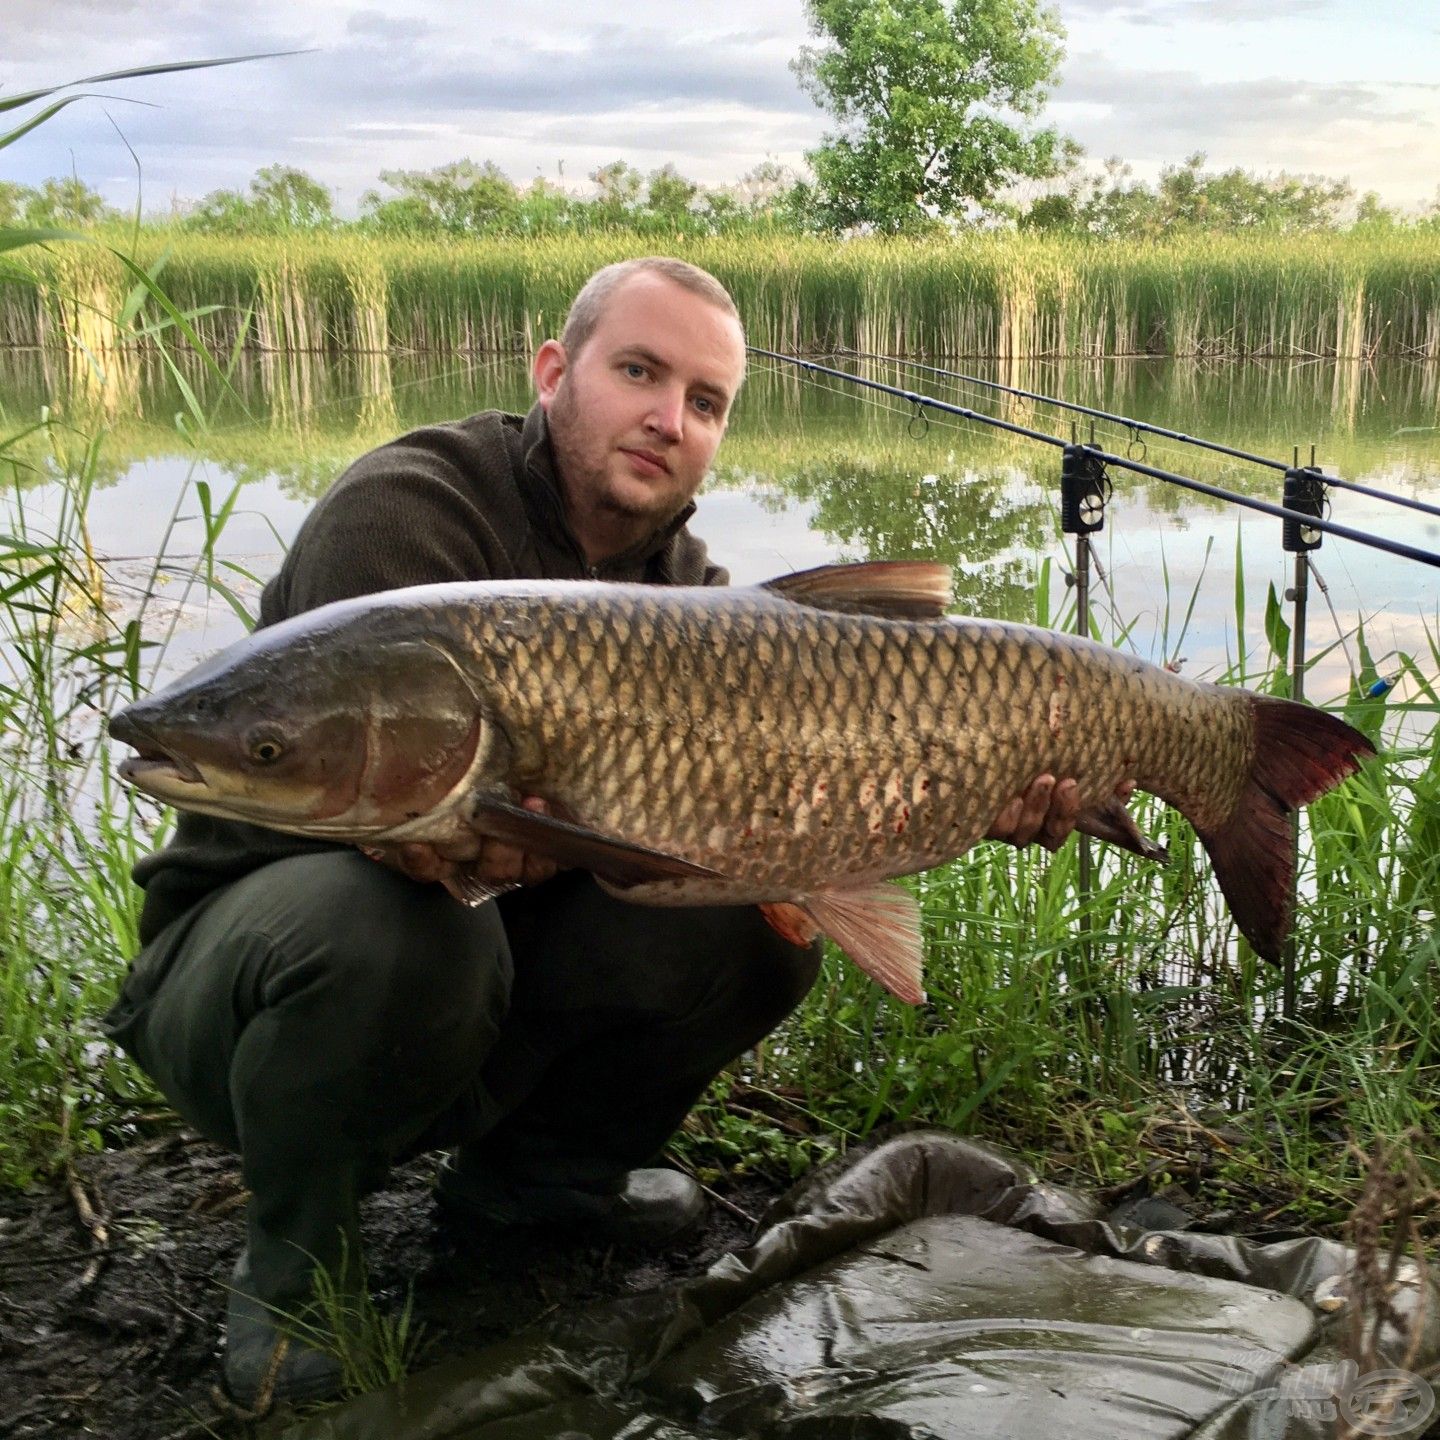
{"x":1000,"y":294}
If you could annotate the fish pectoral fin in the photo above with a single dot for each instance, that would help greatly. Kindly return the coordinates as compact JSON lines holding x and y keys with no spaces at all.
{"x":618,"y":861}
{"x":896,"y":589}
{"x":1112,"y":822}
{"x":878,"y":927}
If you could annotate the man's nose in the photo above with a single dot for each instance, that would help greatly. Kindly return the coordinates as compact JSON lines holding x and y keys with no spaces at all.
{"x":667,"y":414}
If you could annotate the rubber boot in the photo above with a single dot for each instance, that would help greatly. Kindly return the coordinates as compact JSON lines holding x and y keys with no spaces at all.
{"x":265,"y":1362}
{"x":650,"y":1207}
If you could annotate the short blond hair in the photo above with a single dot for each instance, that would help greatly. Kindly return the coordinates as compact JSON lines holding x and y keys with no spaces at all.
{"x":589,"y":305}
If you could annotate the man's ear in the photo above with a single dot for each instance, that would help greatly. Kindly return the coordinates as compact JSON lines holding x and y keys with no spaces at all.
{"x":548,"y":370}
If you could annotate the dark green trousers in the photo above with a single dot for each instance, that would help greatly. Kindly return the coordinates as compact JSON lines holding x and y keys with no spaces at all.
{"x":325,"y":1016}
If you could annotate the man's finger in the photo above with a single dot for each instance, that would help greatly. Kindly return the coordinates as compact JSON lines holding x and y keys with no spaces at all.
{"x":1002,"y":827}
{"x":421,"y":862}
{"x":1061,"y":817}
{"x":1035,"y":806}
{"x":500,"y":863}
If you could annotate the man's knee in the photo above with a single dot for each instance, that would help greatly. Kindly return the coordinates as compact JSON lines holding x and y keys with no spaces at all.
{"x":380,"y":940}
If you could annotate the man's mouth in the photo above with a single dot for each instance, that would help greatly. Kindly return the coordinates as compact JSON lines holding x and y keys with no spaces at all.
{"x":647,"y":461}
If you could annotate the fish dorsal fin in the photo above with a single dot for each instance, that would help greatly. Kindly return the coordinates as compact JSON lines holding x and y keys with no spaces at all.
{"x":896,"y":589}
{"x":878,"y":927}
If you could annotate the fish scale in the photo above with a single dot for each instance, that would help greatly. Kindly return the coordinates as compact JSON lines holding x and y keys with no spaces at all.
{"x":963,"y":702}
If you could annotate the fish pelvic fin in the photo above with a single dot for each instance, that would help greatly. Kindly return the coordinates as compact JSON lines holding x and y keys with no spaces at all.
{"x":878,"y":927}
{"x":894,"y":589}
{"x":1112,"y":822}
{"x":1300,"y":754}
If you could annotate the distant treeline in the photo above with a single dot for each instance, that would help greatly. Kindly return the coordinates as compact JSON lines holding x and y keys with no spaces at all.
{"x":1357,"y":294}
{"x":466,"y":199}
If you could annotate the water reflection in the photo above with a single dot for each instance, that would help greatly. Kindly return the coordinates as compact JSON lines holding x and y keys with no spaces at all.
{"x":813,"y":470}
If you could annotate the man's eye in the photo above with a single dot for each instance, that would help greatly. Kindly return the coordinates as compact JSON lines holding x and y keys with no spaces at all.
{"x":704,"y":404}
{"x":635,"y":371}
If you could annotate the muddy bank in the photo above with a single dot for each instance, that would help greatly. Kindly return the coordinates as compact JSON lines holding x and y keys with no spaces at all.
{"x":121,"y":1340}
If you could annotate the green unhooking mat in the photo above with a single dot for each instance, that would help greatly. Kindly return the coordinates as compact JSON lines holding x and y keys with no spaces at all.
{"x":935,"y":1289}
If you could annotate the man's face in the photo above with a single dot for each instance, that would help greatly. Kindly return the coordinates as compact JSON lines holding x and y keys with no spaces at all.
{"x":636,"y":416}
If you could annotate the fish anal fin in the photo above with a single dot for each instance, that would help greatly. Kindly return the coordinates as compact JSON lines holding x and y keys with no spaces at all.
{"x":1113,"y":823}
{"x":878,"y":927}
{"x":895,"y":589}
{"x":790,"y":922}
{"x":568,"y":843}
{"x":1300,"y":753}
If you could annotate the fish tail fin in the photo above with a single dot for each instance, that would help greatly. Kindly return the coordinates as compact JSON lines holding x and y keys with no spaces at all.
{"x":1300,"y":753}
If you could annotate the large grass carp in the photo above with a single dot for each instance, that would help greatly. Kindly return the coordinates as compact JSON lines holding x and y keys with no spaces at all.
{"x":795,"y":744}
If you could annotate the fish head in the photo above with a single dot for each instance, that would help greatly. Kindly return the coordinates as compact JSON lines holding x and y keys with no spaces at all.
{"x":335,"y":729}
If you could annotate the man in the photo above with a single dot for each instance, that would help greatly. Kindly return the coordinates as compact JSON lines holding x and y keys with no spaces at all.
{"x":325,"y":1016}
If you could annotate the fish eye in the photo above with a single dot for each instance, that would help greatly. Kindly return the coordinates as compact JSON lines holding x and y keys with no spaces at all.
{"x":266,"y":750}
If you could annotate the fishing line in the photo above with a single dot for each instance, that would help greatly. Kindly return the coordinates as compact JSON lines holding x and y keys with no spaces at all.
{"x":1319,"y":580}
{"x":1121,"y":462}
{"x":1140,"y":426}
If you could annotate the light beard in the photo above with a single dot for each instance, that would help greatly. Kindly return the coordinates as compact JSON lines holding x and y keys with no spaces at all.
{"x":565,"y":422}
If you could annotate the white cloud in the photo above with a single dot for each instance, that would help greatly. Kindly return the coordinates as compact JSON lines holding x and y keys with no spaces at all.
{"x":1318,"y":85}
{"x":1381,"y":136}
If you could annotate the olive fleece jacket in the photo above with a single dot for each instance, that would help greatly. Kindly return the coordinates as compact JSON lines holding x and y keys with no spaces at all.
{"x":475,"y":499}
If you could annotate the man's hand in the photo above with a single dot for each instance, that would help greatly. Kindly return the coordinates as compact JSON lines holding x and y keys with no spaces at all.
{"x":492,"y":862}
{"x":1046,"y":813}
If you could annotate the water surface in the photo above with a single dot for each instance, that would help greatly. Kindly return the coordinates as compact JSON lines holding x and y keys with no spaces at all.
{"x":813,"y":470}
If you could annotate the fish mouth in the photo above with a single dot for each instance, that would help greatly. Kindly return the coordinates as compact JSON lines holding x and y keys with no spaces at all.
{"x":145,"y":770}
{"x":152,"y":761}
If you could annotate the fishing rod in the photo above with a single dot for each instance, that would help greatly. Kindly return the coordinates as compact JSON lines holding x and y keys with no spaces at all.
{"x":1137,"y":426}
{"x":1133,"y":425}
{"x":923,"y":402}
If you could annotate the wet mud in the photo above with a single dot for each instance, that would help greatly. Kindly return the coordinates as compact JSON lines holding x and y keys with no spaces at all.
{"x":115,"y":1331}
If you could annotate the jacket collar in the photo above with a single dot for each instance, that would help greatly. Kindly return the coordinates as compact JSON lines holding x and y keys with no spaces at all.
{"x":545,"y":504}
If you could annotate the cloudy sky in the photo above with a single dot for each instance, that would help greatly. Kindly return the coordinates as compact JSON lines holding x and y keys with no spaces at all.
{"x":1347,"y":88}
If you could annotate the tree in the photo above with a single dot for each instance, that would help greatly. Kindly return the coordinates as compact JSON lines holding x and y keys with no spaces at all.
{"x":13,"y":199}
{"x":932,"y":95}
{"x":461,"y":198}
{"x":668,"y":194}
{"x":1188,"y":198}
{"x":280,"y":198}
{"x":291,"y":198}
{"x":66,"y":202}
{"x":618,"y":185}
